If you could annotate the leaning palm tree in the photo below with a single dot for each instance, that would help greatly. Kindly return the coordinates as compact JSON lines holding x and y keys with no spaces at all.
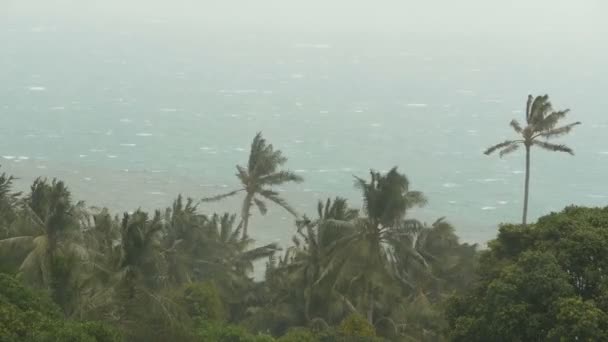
{"x":258,"y":178}
{"x":541,"y":125}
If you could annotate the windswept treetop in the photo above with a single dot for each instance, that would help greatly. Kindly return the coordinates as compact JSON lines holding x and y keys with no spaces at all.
{"x":257,"y":179}
{"x":541,"y":122}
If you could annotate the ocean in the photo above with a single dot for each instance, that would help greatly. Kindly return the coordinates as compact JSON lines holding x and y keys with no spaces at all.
{"x":132,"y":118}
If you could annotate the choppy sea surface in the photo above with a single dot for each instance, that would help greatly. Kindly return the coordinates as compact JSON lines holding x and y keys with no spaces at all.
{"x":130,"y":119}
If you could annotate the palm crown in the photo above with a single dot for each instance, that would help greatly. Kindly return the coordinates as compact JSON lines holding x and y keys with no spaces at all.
{"x":541,"y":122}
{"x":258,"y":178}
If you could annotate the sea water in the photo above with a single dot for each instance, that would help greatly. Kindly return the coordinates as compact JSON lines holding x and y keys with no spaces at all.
{"x":131,"y":119}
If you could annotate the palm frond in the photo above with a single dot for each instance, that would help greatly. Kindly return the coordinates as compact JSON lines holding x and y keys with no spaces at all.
{"x":19,"y":243}
{"x":553,"y":147}
{"x":280,"y":177}
{"x":516,"y":126}
{"x":552,"y":119}
{"x":415,"y":198}
{"x":557,"y":132}
{"x":260,"y":205}
{"x":508,"y":149}
{"x":274,"y":197}
{"x":501,"y":145}
{"x":222,"y":196}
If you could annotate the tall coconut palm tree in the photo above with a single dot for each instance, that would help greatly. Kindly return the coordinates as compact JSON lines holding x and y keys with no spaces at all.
{"x":369,"y":265}
{"x":541,"y":122}
{"x":257,"y":179}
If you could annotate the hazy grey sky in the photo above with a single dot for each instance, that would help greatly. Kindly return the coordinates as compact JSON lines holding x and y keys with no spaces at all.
{"x":580,"y":17}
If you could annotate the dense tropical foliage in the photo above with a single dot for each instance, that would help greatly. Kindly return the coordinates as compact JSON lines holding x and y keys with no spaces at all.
{"x":371,"y":273}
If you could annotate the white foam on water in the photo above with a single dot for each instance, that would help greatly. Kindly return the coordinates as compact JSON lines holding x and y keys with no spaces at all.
{"x":155,"y":193}
{"x":58,"y":108}
{"x":23,"y":158}
{"x":238,"y":149}
{"x":168,"y":110}
{"x":323,"y":111}
{"x":88,"y":179}
{"x":36,"y":88}
{"x":41,"y":166}
{"x":376,"y":124}
{"x":298,"y":104}
{"x":82,"y":156}
{"x":126,"y":120}
{"x":596,"y":196}
{"x":298,"y":141}
{"x":489,"y":180}
{"x":128,"y":145}
{"x":450,"y":185}
{"x":8,"y":157}
{"x":112,"y":156}
{"x":144,"y":134}
{"x":517,"y":172}
{"x":300,"y":171}
{"x":346,"y":169}
{"x":418,"y":105}
{"x":452,"y":202}
{"x":603,"y":152}
{"x":97,"y":150}
{"x":358,"y":110}
{"x":502,"y":202}
{"x":158,"y":171}
{"x":488,"y":208}
{"x":297,"y":76}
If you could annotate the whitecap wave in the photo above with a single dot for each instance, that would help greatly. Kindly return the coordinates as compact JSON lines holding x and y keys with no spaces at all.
{"x":36,"y":88}
{"x":144,"y":134}
{"x":8,"y":157}
{"x":488,"y":208}
{"x":417,"y":105}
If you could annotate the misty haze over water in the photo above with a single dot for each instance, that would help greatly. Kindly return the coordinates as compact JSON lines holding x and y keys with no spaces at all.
{"x":134,"y":103}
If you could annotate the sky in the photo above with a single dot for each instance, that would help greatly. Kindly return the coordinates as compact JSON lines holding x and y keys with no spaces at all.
{"x":472,"y":17}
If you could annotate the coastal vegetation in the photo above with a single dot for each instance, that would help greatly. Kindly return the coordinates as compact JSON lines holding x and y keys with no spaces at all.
{"x":73,"y":272}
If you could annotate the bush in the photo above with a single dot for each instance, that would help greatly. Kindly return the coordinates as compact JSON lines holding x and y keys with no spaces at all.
{"x":26,"y":315}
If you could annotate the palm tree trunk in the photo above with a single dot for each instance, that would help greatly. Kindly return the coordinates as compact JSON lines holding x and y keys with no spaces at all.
{"x":370,"y":303}
{"x":526,"y":186}
{"x":245,"y":214}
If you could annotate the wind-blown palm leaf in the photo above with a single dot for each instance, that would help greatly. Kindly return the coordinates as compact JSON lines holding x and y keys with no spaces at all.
{"x":261,"y":206}
{"x":516,"y":126}
{"x":509,"y":149}
{"x":221,"y":196}
{"x":558,"y":132}
{"x":553,"y":147}
{"x":499,"y":146}
{"x":276,"y":199}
